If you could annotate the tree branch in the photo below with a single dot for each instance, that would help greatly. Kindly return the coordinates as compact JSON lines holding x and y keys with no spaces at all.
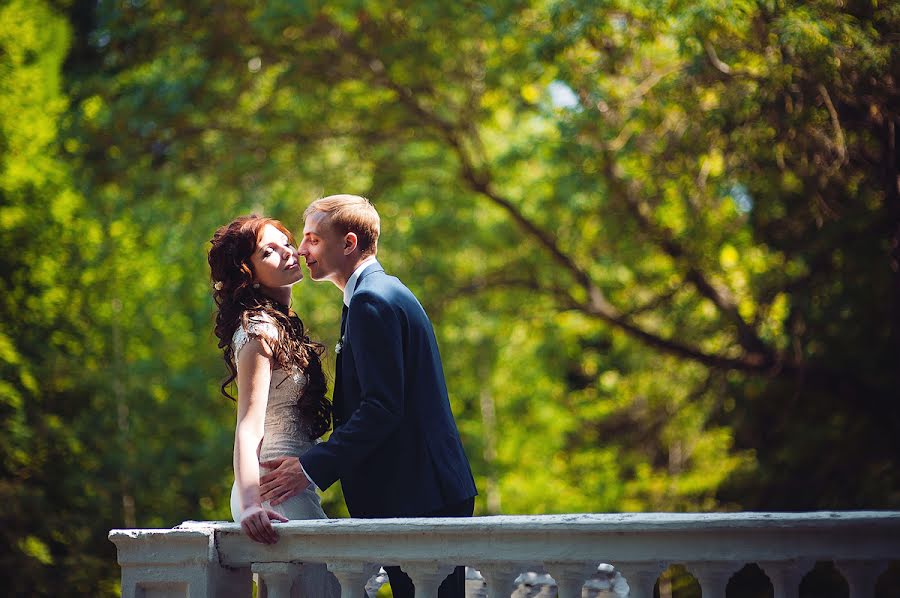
{"x":839,"y":143}
{"x":479,"y":180}
{"x":653,"y":303}
{"x":714,"y":58}
{"x":758,"y":352}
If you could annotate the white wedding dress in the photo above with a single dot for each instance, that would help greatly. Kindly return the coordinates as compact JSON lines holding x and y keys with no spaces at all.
{"x":285,"y":434}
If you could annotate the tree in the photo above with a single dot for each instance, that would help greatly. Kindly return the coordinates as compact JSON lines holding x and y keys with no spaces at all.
{"x":659,"y":240}
{"x":671,"y":180}
{"x":47,"y":518}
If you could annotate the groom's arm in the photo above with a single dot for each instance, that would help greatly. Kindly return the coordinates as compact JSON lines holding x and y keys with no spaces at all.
{"x":375,"y":338}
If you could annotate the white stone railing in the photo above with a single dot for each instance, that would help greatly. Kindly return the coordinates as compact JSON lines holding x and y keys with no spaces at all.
{"x":200,"y":559}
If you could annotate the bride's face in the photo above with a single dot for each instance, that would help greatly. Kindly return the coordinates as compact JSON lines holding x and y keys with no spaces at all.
{"x":274,"y":261}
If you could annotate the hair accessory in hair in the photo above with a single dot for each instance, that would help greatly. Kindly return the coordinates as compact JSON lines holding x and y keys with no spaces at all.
{"x":218,"y":285}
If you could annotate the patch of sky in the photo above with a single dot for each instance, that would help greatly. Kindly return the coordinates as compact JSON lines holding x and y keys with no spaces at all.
{"x":100,"y":39}
{"x":741,"y":197}
{"x":561,"y":95}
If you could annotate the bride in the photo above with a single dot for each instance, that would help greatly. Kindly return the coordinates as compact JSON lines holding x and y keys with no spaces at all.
{"x":281,"y":405}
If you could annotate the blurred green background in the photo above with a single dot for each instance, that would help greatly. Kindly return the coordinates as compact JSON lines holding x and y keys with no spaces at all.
{"x":658,"y":240}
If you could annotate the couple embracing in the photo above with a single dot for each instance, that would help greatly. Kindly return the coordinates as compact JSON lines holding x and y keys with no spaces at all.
{"x":395,"y":446}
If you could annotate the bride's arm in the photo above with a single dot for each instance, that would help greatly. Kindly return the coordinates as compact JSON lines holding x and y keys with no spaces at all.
{"x":254,"y":372}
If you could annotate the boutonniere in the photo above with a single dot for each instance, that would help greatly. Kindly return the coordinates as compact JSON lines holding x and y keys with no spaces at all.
{"x":339,"y":346}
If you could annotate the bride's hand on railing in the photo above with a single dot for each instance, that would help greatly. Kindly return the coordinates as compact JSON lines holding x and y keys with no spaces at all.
{"x":257,"y":523}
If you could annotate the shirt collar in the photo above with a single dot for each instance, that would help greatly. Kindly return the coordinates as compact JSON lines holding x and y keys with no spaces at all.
{"x":351,"y":282}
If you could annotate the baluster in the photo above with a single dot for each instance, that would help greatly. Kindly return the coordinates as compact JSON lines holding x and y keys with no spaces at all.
{"x":641,"y":577}
{"x":785,"y":576}
{"x":481,"y":590}
{"x":499,"y":578}
{"x":427,"y":577}
{"x":713,"y":577}
{"x":861,"y":576}
{"x":352,"y":576}
{"x":277,"y":577}
{"x":570,"y":576}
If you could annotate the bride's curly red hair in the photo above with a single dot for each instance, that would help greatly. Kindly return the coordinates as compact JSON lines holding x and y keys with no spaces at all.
{"x":236,"y":301}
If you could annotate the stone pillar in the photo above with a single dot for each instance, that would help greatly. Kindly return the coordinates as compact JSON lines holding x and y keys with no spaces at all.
{"x":861,"y":576}
{"x":352,"y":576}
{"x":713,"y":577}
{"x":499,"y":578}
{"x":427,"y":577}
{"x":278,"y":578}
{"x":641,"y":577}
{"x":786,"y":576}
{"x":570,"y":576}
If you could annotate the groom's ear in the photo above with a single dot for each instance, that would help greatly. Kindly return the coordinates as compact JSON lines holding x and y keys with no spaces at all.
{"x":351,"y":241}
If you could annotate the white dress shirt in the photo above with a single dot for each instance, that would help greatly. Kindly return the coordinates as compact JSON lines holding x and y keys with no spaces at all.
{"x":351,"y":282}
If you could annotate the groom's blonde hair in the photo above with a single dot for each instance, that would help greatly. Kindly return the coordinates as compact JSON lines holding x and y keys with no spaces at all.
{"x":350,"y":213}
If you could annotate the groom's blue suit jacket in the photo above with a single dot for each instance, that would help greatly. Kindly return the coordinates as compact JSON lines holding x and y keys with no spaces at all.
{"x":395,"y":446}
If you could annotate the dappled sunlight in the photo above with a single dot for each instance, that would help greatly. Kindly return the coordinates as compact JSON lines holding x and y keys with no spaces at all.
{"x":659,"y":243}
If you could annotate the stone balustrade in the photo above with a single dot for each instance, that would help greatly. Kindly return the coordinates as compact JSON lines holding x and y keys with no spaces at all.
{"x":200,"y":559}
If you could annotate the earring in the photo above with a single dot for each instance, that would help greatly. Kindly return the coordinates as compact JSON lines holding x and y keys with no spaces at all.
{"x":255,"y":285}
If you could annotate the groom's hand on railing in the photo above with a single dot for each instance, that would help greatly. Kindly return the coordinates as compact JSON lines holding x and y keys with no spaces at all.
{"x":257,"y":523}
{"x":285,"y":479}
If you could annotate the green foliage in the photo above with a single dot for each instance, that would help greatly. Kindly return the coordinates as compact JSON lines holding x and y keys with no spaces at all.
{"x":48,"y":517}
{"x":659,"y":242}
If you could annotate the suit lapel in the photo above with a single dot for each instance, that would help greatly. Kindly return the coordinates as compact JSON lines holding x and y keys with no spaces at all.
{"x":345,"y":319}
{"x":338,"y":395}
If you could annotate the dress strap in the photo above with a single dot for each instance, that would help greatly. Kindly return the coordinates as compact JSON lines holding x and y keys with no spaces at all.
{"x":259,"y":326}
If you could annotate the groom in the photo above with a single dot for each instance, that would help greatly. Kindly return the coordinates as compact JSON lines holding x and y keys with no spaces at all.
{"x":395,"y":446}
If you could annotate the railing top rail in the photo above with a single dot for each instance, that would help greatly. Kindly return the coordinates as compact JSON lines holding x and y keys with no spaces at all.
{"x":583,"y":522}
{"x":672,"y":537}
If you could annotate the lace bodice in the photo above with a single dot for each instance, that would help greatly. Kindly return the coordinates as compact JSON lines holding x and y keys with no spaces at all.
{"x":284,"y":433}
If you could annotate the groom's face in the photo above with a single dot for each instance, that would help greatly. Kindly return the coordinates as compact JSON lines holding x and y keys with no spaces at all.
{"x":322,"y":248}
